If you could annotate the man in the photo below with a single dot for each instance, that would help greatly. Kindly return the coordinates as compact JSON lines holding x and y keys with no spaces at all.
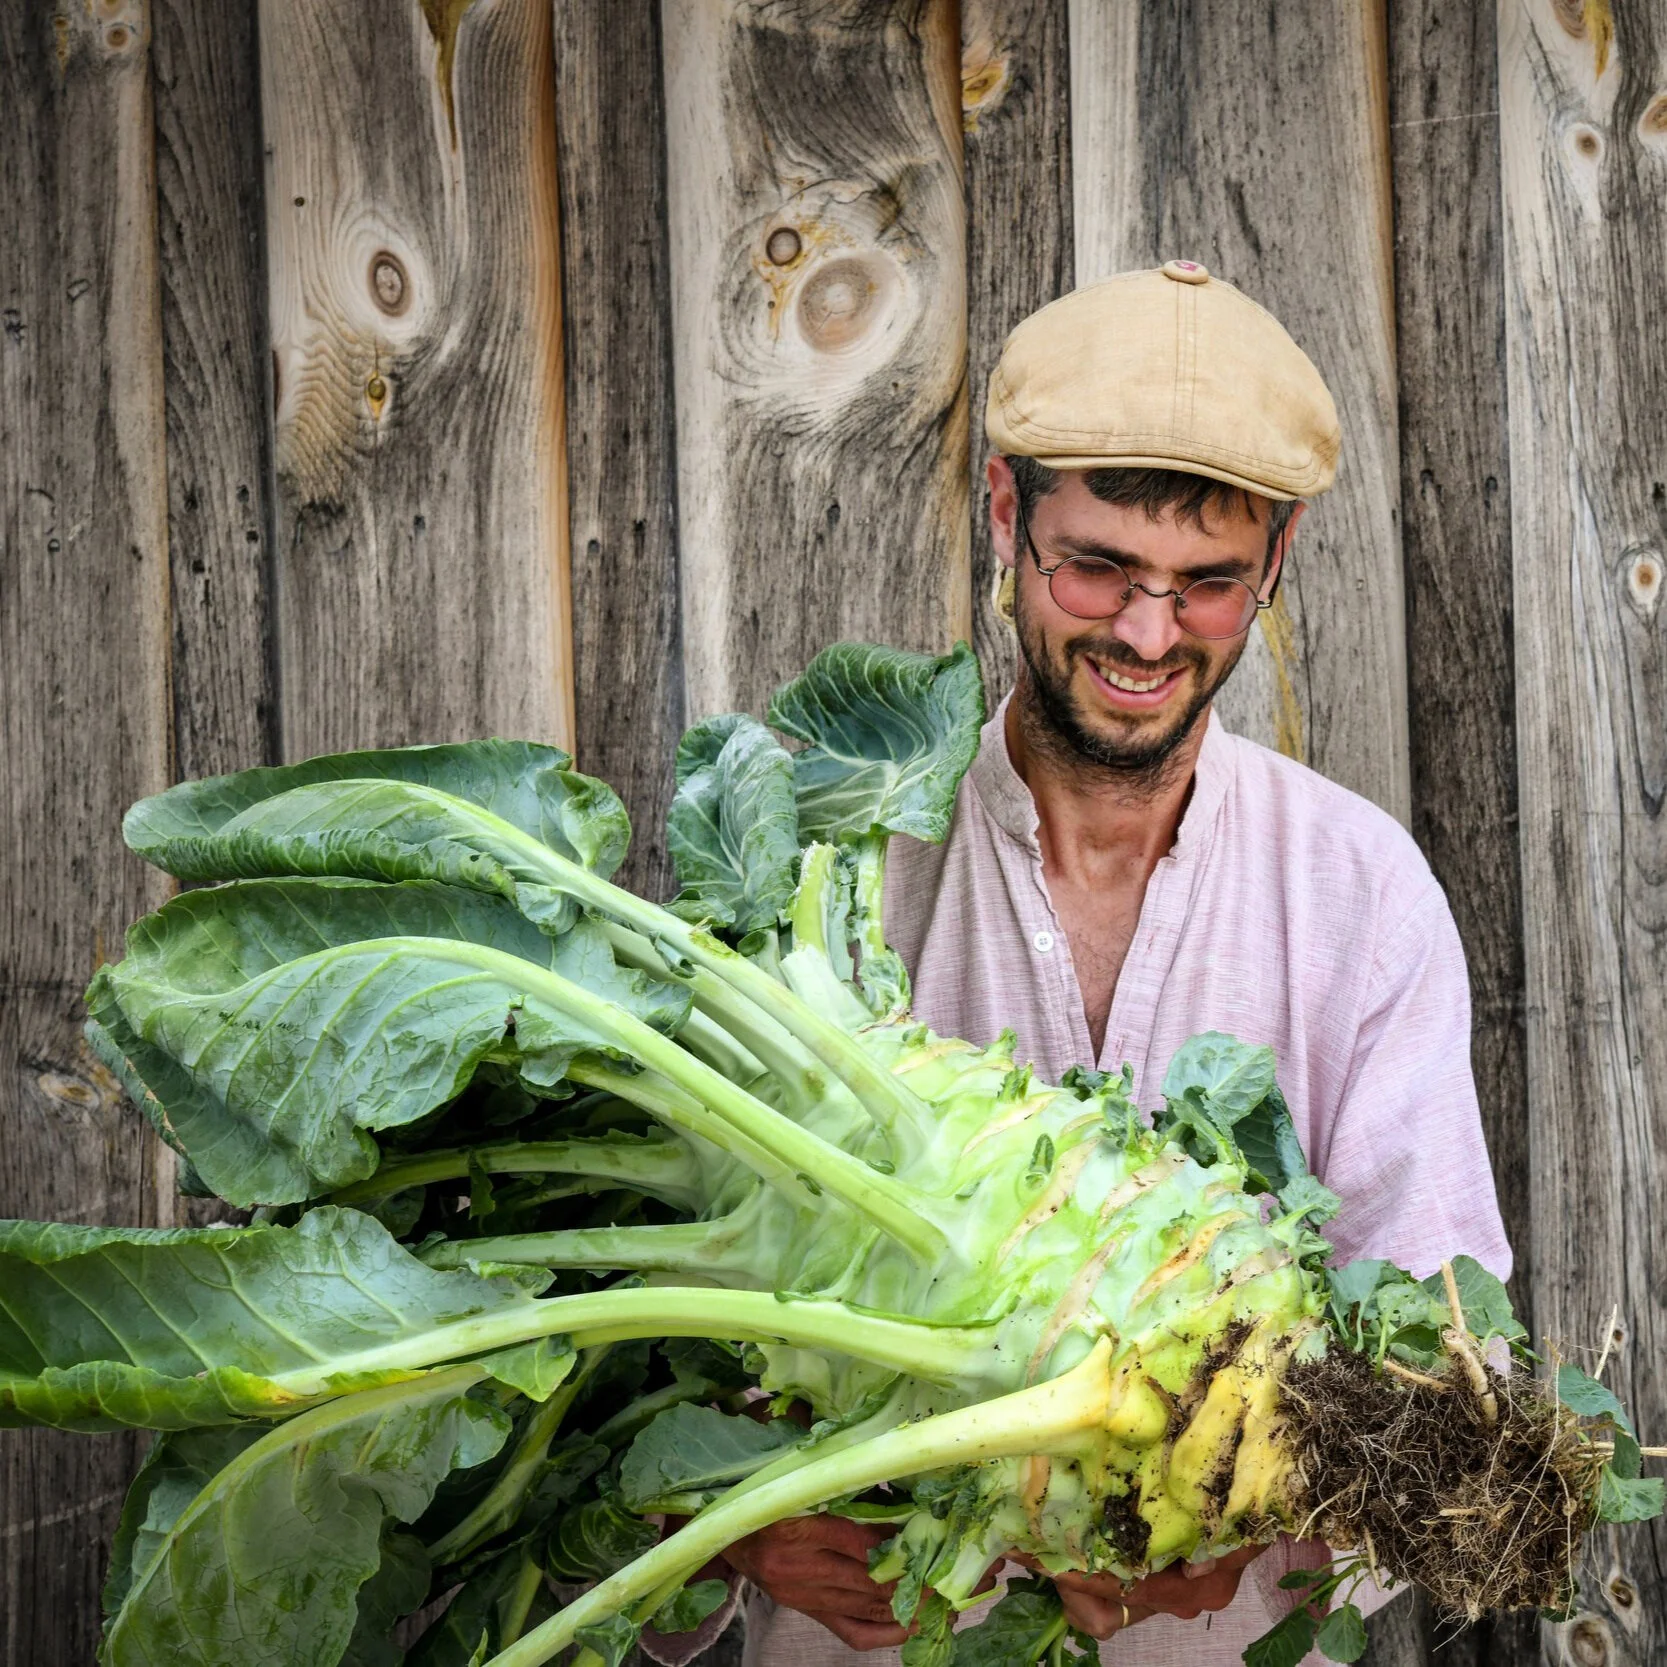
{"x":1123,"y":873}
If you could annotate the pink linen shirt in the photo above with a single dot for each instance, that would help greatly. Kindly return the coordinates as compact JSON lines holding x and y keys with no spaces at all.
{"x":1290,"y":912}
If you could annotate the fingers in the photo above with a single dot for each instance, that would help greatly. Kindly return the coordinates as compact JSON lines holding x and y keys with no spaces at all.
{"x":1101,"y":1617}
{"x":860,"y":1635}
{"x":819,"y":1565}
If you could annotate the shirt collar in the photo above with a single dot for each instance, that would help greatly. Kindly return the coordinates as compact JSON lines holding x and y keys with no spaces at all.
{"x":1007,"y":801}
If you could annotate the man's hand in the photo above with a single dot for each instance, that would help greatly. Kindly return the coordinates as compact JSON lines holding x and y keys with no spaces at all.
{"x":1101,"y":1604}
{"x":819,"y":1566}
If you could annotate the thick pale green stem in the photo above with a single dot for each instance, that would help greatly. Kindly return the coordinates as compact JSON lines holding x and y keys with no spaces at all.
{"x":941,"y":1354}
{"x":774,"y":1146}
{"x":871,"y":891}
{"x":499,"y":1507}
{"x":887,"y":1099}
{"x":676,"y":1247}
{"x":1061,"y":1416}
{"x":660,"y":1168}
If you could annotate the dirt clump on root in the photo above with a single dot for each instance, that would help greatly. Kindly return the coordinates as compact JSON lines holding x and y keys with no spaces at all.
{"x":1482,"y":1515}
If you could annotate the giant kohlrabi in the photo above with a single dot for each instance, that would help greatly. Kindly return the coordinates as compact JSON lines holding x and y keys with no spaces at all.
{"x":544,"y":1175}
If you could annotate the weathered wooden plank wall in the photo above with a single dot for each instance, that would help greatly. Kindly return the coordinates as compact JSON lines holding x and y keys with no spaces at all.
{"x":313,"y":374}
{"x":1455,"y":510}
{"x":415,"y":313}
{"x":1583,"y":141}
{"x":818,"y":299}
{"x":83,"y":705}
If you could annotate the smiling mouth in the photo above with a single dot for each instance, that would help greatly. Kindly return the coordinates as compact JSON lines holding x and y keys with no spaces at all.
{"x":1130,"y":685}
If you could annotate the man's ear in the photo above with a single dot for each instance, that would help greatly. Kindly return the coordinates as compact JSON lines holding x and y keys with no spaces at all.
{"x":1276,"y":565}
{"x":1004,"y":505}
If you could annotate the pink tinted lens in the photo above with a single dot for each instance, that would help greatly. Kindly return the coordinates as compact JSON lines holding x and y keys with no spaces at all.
{"x":1216,"y":607}
{"x":1089,"y":589}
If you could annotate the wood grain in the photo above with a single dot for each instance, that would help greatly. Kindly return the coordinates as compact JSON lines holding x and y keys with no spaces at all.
{"x":818,"y":286}
{"x":1583,"y":121}
{"x":211,"y":235}
{"x":1015,"y":110}
{"x":621,"y":428}
{"x":415,"y":316}
{"x":1456,"y":530}
{"x":1254,"y":138}
{"x":83,"y":707}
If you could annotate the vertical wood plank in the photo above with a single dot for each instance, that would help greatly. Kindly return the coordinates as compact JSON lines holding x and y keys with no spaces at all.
{"x":1015,"y":109}
{"x":818,"y":288}
{"x":415,"y":313}
{"x":621,"y":429}
{"x":215,"y":356}
{"x":83,"y":706}
{"x":1254,"y":138}
{"x":1450,"y":322}
{"x":1583,"y":122}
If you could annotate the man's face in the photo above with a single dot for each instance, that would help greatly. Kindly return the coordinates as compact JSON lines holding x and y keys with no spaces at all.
{"x":1123,"y":692}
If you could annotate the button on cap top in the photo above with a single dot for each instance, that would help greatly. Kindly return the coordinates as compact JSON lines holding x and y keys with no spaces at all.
{"x":1186,"y":272}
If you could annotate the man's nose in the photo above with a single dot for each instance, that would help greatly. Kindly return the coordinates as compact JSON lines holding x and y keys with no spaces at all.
{"x":1147,"y":625}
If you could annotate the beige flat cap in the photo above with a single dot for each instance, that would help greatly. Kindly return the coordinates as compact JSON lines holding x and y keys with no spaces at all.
{"x":1169,"y":369}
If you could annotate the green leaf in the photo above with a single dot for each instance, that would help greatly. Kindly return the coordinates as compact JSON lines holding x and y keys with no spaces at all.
{"x":1305,"y":1196}
{"x":479,"y":814}
{"x":688,"y":1606}
{"x":397,"y":1589}
{"x":1627,"y":1461}
{"x":689,"y":1449}
{"x":1016,"y":1632}
{"x":296,"y":1016}
{"x":933,"y":1643}
{"x":266,"y":1563}
{"x":1584,"y":1395}
{"x":536,"y":1368}
{"x":163,"y":1328}
{"x":1637,"y":1500}
{"x":1486,"y":1304}
{"x":612,"y":1639}
{"x":1232,"y":1077}
{"x":1267,"y":1138}
{"x":890,"y":735}
{"x":1284,"y":1645}
{"x":733,"y":826}
{"x":472,"y":1627}
{"x":177,"y":1468}
{"x":596,"y":1539}
{"x":1353,"y":1284}
{"x":1342,"y":1634}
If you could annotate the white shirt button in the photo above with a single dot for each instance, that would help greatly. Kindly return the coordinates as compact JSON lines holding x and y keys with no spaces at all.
{"x":1043,"y":942}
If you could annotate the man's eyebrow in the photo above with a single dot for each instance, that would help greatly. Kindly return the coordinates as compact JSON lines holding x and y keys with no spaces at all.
{"x":1227,"y":567}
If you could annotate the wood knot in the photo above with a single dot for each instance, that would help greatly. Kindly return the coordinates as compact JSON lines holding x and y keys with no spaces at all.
{"x":985,"y":77}
{"x":1587,"y":141}
{"x":389,"y":287}
{"x":1588,"y":1642}
{"x":69,"y":1092}
{"x":1644,"y":574}
{"x":783,"y":246}
{"x":1653,"y":123}
{"x":1622,"y":1592}
{"x":839,"y":302}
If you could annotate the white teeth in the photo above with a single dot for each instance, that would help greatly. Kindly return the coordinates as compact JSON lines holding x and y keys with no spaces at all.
{"x":1118,"y":681}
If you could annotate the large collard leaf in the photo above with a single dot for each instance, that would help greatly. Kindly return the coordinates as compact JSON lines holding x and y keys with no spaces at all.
{"x":733,"y":825}
{"x":889,"y":736}
{"x":275,"y":1023}
{"x":164,"y":1328}
{"x":179,"y":1465}
{"x":693,"y":1449}
{"x":265,"y":1564}
{"x":488,"y":815}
